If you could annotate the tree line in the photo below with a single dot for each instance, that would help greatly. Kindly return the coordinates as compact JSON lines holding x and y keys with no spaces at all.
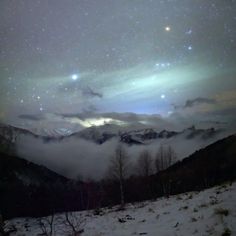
{"x":146,"y":165}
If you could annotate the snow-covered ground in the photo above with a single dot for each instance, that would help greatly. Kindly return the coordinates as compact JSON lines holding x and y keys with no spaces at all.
{"x":209,"y":212}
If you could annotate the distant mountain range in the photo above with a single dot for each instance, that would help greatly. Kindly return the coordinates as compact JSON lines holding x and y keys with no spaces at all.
{"x":101,"y":134}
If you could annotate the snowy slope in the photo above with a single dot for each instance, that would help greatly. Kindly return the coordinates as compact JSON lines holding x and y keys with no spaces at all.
{"x":210,"y":212}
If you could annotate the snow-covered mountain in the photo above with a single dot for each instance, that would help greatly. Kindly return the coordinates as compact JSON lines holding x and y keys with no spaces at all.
{"x":77,"y":152}
{"x":141,"y":136}
{"x":101,"y":134}
{"x":11,"y":132}
{"x":9,"y":135}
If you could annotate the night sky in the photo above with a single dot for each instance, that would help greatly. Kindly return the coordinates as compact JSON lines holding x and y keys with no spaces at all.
{"x":172,"y":58}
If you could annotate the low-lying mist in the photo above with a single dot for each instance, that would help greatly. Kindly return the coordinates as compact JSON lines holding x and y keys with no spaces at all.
{"x":78,"y":158}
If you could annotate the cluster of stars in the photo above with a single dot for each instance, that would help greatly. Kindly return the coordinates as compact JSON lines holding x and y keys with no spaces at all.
{"x":162,"y":65}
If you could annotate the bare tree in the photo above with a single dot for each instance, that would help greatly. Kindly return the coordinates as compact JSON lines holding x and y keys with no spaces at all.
{"x":171,"y":156}
{"x":144,"y":163}
{"x":118,"y":169}
{"x":159,"y":160}
{"x":73,"y":223}
{"x":47,"y":225}
{"x":165,"y":157}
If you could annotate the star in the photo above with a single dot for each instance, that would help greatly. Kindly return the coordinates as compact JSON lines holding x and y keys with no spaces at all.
{"x":189,"y":32}
{"x":163,"y":96}
{"x":163,"y":65}
{"x":190,"y":48}
{"x":167,"y":28}
{"x":74,"y":77}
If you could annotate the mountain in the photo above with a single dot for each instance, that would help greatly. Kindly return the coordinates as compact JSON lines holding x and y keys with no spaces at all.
{"x":8,"y":137}
{"x":207,"y":167}
{"x":23,"y":183}
{"x":28,"y":189}
{"x":14,"y":169}
{"x":55,"y":132}
{"x":106,"y":132}
{"x":209,"y":212}
{"x":103,"y":133}
{"x":98,"y":134}
{"x":10,"y":132}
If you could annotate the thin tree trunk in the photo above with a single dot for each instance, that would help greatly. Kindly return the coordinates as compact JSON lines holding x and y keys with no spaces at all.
{"x":122,"y":199}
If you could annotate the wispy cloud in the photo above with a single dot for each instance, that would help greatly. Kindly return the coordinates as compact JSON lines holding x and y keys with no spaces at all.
{"x":199,"y":100}
{"x":31,"y":117}
{"x":88,"y":91}
{"x":194,"y":102}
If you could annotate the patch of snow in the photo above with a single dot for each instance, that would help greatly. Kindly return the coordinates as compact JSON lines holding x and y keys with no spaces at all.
{"x":194,"y":213}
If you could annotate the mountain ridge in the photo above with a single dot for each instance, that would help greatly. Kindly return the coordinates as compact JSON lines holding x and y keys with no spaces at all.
{"x":101,"y":134}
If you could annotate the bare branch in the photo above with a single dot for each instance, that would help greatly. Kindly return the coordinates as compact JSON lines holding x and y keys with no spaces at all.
{"x":144,"y":163}
{"x":47,"y":225}
{"x":165,"y":157}
{"x":118,"y":168}
{"x":73,"y":223}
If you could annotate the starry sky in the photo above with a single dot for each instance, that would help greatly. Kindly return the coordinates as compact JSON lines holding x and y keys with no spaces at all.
{"x":172,"y":58}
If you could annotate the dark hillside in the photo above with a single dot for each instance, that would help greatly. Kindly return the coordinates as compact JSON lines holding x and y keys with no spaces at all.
{"x":27,"y":189}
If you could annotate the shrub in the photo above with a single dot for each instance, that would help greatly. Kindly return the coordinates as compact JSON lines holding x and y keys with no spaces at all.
{"x":227,"y":232}
{"x":222,"y":211}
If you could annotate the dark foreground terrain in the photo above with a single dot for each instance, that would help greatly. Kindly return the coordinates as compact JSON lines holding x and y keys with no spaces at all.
{"x":31,"y":190}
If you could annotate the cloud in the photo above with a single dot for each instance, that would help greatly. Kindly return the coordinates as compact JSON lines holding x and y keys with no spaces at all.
{"x":127,"y":120}
{"x":31,"y":117}
{"x":199,"y":100}
{"x":77,"y":86}
{"x":178,"y":120}
{"x":91,"y":93}
{"x":75,"y":157}
{"x":194,"y":102}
